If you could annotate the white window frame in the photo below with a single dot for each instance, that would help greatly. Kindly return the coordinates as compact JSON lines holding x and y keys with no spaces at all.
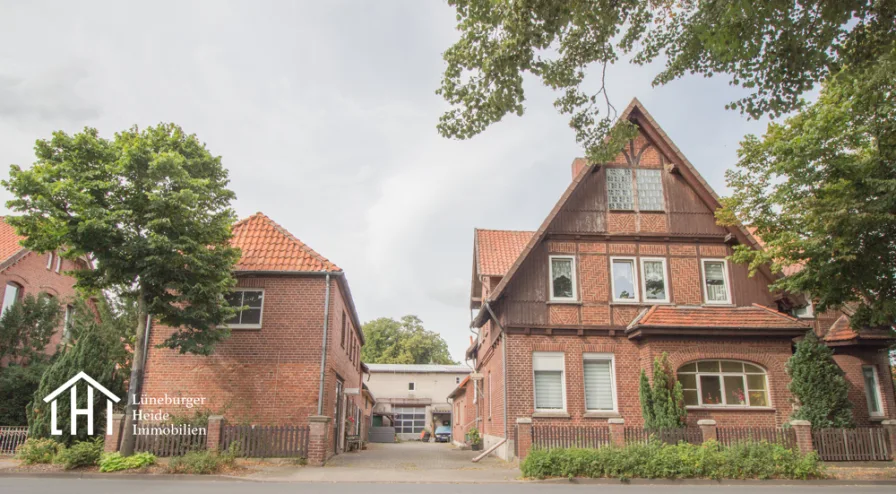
{"x":877,"y":393}
{"x":601,"y":356}
{"x":724,"y":262}
{"x":50,"y":256}
{"x":635,"y":287}
{"x":18,"y":288}
{"x":489,"y":395}
{"x":260,"y":317}
{"x":810,"y":311}
{"x":67,"y":320}
{"x":575,"y":292}
{"x":412,"y":386}
{"x":562,"y":382}
{"x":644,"y":280}
{"x":721,"y":374}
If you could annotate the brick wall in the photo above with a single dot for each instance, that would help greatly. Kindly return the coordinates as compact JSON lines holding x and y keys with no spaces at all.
{"x":31,"y":273}
{"x":491,"y":398}
{"x":851,"y":360}
{"x":630,"y":358}
{"x":263,"y":376}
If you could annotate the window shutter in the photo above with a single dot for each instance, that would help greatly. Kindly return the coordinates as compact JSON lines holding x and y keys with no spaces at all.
{"x":549,"y":390}
{"x":598,"y":385}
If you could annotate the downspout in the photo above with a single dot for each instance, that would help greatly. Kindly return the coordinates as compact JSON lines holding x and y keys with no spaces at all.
{"x":323,"y":355}
{"x":503,"y":365}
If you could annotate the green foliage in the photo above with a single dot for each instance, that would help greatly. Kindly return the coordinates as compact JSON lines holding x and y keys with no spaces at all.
{"x":776,"y":49}
{"x":200,"y":462}
{"x":473,"y":436}
{"x":114,"y":462}
{"x":27,"y":326}
{"x":662,"y":405}
{"x":820,"y":189}
{"x":17,"y":386}
{"x":388,"y":341}
{"x":818,"y":385}
{"x":153,"y":209}
{"x":97,"y":350}
{"x":37,"y":450}
{"x":80,"y":454}
{"x":748,"y":460}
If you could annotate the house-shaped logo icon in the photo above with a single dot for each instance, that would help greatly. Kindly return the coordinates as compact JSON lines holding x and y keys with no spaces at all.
{"x":75,"y":411}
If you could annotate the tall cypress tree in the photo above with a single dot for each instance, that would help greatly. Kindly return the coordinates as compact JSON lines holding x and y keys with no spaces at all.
{"x":662,"y":405}
{"x":818,"y":385}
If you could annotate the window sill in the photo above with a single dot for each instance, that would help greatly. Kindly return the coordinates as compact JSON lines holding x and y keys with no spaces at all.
{"x":564,"y":302}
{"x":731,"y":409}
{"x":625,"y":302}
{"x":720,"y":304}
{"x":550,"y":415}
{"x":877,"y":418}
{"x":242,"y":327}
{"x":602,"y":415}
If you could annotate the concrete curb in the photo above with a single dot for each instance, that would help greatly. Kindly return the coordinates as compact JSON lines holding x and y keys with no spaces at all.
{"x":683,"y":482}
{"x":126,"y":476}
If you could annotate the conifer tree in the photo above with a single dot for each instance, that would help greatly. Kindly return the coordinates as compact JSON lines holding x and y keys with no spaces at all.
{"x":662,"y":404}
{"x":818,"y":385}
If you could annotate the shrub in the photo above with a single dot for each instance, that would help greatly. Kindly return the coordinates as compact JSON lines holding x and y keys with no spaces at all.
{"x":80,"y":454}
{"x":662,"y":405}
{"x":818,"y":385}
{"x":749,"y":460}
{"x":113,"y":462}
{"x":200,"y":462}
{"x":36,"y":450}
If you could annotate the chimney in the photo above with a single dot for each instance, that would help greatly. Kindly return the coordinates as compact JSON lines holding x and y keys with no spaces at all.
{"x":577,"y":165}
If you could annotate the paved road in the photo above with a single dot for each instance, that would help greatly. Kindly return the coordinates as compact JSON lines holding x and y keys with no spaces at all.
{"x":10,"y":485}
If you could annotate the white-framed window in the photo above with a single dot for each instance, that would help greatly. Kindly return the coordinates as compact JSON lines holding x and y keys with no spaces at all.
{"x":252,"y":301}
{"x":804,"y":312}
{"x":724,"y":383}
{"x":716,"y":287}
{"x":600,"y":382}
{"x":650,"y":190}
{"x":475,"y":392}
{"x":50,"y":256}
{"x":58,"y":263}
{"x":550,"y":381}
{"x":654,"y":280}
{"x":872,"y":391}
{"x":67,"y":320}
{"x":489,"y":395}
{"x":10,"y":296}
{"x":619,"y":189}
{"x":563,"y":277}
{"x":623,"y":279}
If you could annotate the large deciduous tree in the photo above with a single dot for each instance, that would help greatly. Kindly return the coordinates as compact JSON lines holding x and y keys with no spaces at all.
{"x":776,"y":49}
{"x":820,"y":190}
{"x":152,"y":208}
{"x":387,"y":341}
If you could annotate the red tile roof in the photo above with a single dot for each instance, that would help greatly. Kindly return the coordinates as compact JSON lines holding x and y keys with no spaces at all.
{"x":841,"y":330}
{"x":755,"y":316}
{"x":9,"y":240}
{"x":267,"y":246}
{"x":496,"y":250}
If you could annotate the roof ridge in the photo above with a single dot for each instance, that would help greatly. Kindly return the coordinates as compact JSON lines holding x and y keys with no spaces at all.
{"x":502,"y":230}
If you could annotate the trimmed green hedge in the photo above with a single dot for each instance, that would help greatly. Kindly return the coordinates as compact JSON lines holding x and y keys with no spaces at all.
{"x":655,"y":460}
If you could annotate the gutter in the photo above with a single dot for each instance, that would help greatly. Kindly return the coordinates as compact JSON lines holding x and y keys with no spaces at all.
{"x":323,"y":355}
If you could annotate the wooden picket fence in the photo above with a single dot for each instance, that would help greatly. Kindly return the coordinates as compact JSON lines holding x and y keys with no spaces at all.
{"x":860,"y":444}
{"x":563,"y":436}
{"x":670,"y":436}
{"x":11,"y":438}
{"x":267,"y":441}
{"x":170,"y":444}
{"x":777,"y":435}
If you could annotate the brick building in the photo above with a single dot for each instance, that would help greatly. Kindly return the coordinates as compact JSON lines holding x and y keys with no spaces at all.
{"x":300,"y":319}
{"x":23,"y":271}
{"x":629,"y":264}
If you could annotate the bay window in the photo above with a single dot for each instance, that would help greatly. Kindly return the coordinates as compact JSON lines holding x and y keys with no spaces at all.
{"x":724,"y":383}
{"x":550,"y":392}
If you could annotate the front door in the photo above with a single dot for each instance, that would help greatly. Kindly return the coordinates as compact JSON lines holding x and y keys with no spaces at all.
{"x":339,"y":417}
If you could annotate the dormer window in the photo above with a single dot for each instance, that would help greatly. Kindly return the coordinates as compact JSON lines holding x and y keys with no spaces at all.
{"x":252,"y":302}
{"x":563,"y":278}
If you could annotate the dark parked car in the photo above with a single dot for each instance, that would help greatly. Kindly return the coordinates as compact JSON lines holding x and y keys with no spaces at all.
{"x":443,"y":434}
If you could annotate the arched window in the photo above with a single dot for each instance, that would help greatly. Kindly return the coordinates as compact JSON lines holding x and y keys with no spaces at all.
{"x":724,"y":383}
{"x":10,"y":296}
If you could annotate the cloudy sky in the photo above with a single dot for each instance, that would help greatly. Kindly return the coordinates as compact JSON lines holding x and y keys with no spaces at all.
{"x":325,"y":114}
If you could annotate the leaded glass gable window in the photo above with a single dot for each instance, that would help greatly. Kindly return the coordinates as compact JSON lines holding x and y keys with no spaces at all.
{"x":619,"y":189}
{"x":650,"y":190}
